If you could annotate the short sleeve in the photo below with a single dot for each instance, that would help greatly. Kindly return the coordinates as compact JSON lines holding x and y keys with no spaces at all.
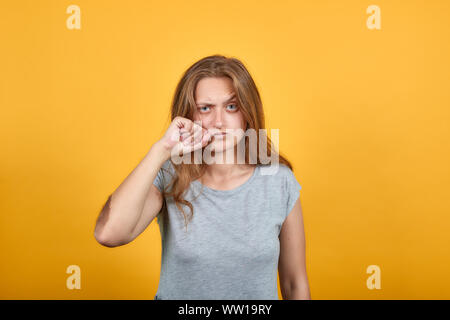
{"x":164,"y":176}
{"x":159,"y":180}
{"x":293,"y":191}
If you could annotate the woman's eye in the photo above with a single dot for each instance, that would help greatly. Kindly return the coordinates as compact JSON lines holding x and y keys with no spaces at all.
{"x":201,"y":108}
{"x":235,"y":107}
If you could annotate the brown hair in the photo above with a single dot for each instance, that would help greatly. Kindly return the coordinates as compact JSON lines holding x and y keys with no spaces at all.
{"x":183,"y":105}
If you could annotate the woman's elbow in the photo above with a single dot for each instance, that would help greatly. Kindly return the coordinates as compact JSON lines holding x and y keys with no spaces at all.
{"x":108,"y":241}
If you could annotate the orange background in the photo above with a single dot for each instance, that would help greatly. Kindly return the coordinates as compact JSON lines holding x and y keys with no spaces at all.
{"x":363,"y":116}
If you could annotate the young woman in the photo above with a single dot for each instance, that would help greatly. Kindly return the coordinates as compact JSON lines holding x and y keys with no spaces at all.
{"x":244,"y":225}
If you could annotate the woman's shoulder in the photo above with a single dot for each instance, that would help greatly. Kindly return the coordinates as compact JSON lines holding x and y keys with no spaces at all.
{"x":281,"y":177}
{"x":276,"y":171}
{"x":278,"y":174}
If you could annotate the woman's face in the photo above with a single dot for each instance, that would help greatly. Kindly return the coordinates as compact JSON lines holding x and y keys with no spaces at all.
{"x":217,"y":109}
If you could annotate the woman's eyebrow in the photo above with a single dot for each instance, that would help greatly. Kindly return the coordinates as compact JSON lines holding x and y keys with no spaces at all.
{"x":209,"y":103}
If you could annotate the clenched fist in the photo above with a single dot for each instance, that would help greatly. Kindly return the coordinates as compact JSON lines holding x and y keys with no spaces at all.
{"x":184,"y":136}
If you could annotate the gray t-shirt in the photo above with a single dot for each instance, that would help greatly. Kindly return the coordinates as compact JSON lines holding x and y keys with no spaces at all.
{"x":231,"y":247}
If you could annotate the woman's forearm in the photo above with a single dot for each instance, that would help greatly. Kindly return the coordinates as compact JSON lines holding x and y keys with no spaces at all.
{"x":123,"y":209}
{"x":297,"y":292}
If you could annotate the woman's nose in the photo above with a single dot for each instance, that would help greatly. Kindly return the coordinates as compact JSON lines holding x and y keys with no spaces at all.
{"x":218,"y":118}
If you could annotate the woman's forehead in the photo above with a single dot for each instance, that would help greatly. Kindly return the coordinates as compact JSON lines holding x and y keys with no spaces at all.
{"x":213,"y":89}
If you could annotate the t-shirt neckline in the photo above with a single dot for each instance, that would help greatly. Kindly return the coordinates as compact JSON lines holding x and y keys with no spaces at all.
{"x":230,"y":191}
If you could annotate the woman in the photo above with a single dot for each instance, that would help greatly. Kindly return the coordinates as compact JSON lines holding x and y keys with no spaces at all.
{"x":243,"y":224}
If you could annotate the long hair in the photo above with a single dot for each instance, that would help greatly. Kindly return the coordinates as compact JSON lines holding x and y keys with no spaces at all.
{"x":183,"y":105}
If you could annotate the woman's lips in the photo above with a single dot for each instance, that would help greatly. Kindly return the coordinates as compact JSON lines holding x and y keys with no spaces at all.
{"x":220,"y":135}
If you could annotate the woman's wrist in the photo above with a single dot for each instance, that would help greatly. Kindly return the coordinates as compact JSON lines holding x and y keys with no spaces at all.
{"x":161,"y":151}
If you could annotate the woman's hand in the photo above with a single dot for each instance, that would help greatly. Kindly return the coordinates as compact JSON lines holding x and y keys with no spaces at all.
{"x":184,"y":136}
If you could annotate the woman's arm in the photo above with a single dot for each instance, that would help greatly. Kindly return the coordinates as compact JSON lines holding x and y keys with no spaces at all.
{"x":292,"y":262}
{"x":136,"y":202}
{"x":121,"y":217}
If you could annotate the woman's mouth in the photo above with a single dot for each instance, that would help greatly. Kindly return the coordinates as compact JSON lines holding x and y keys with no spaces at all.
{"x":220,"y":135}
